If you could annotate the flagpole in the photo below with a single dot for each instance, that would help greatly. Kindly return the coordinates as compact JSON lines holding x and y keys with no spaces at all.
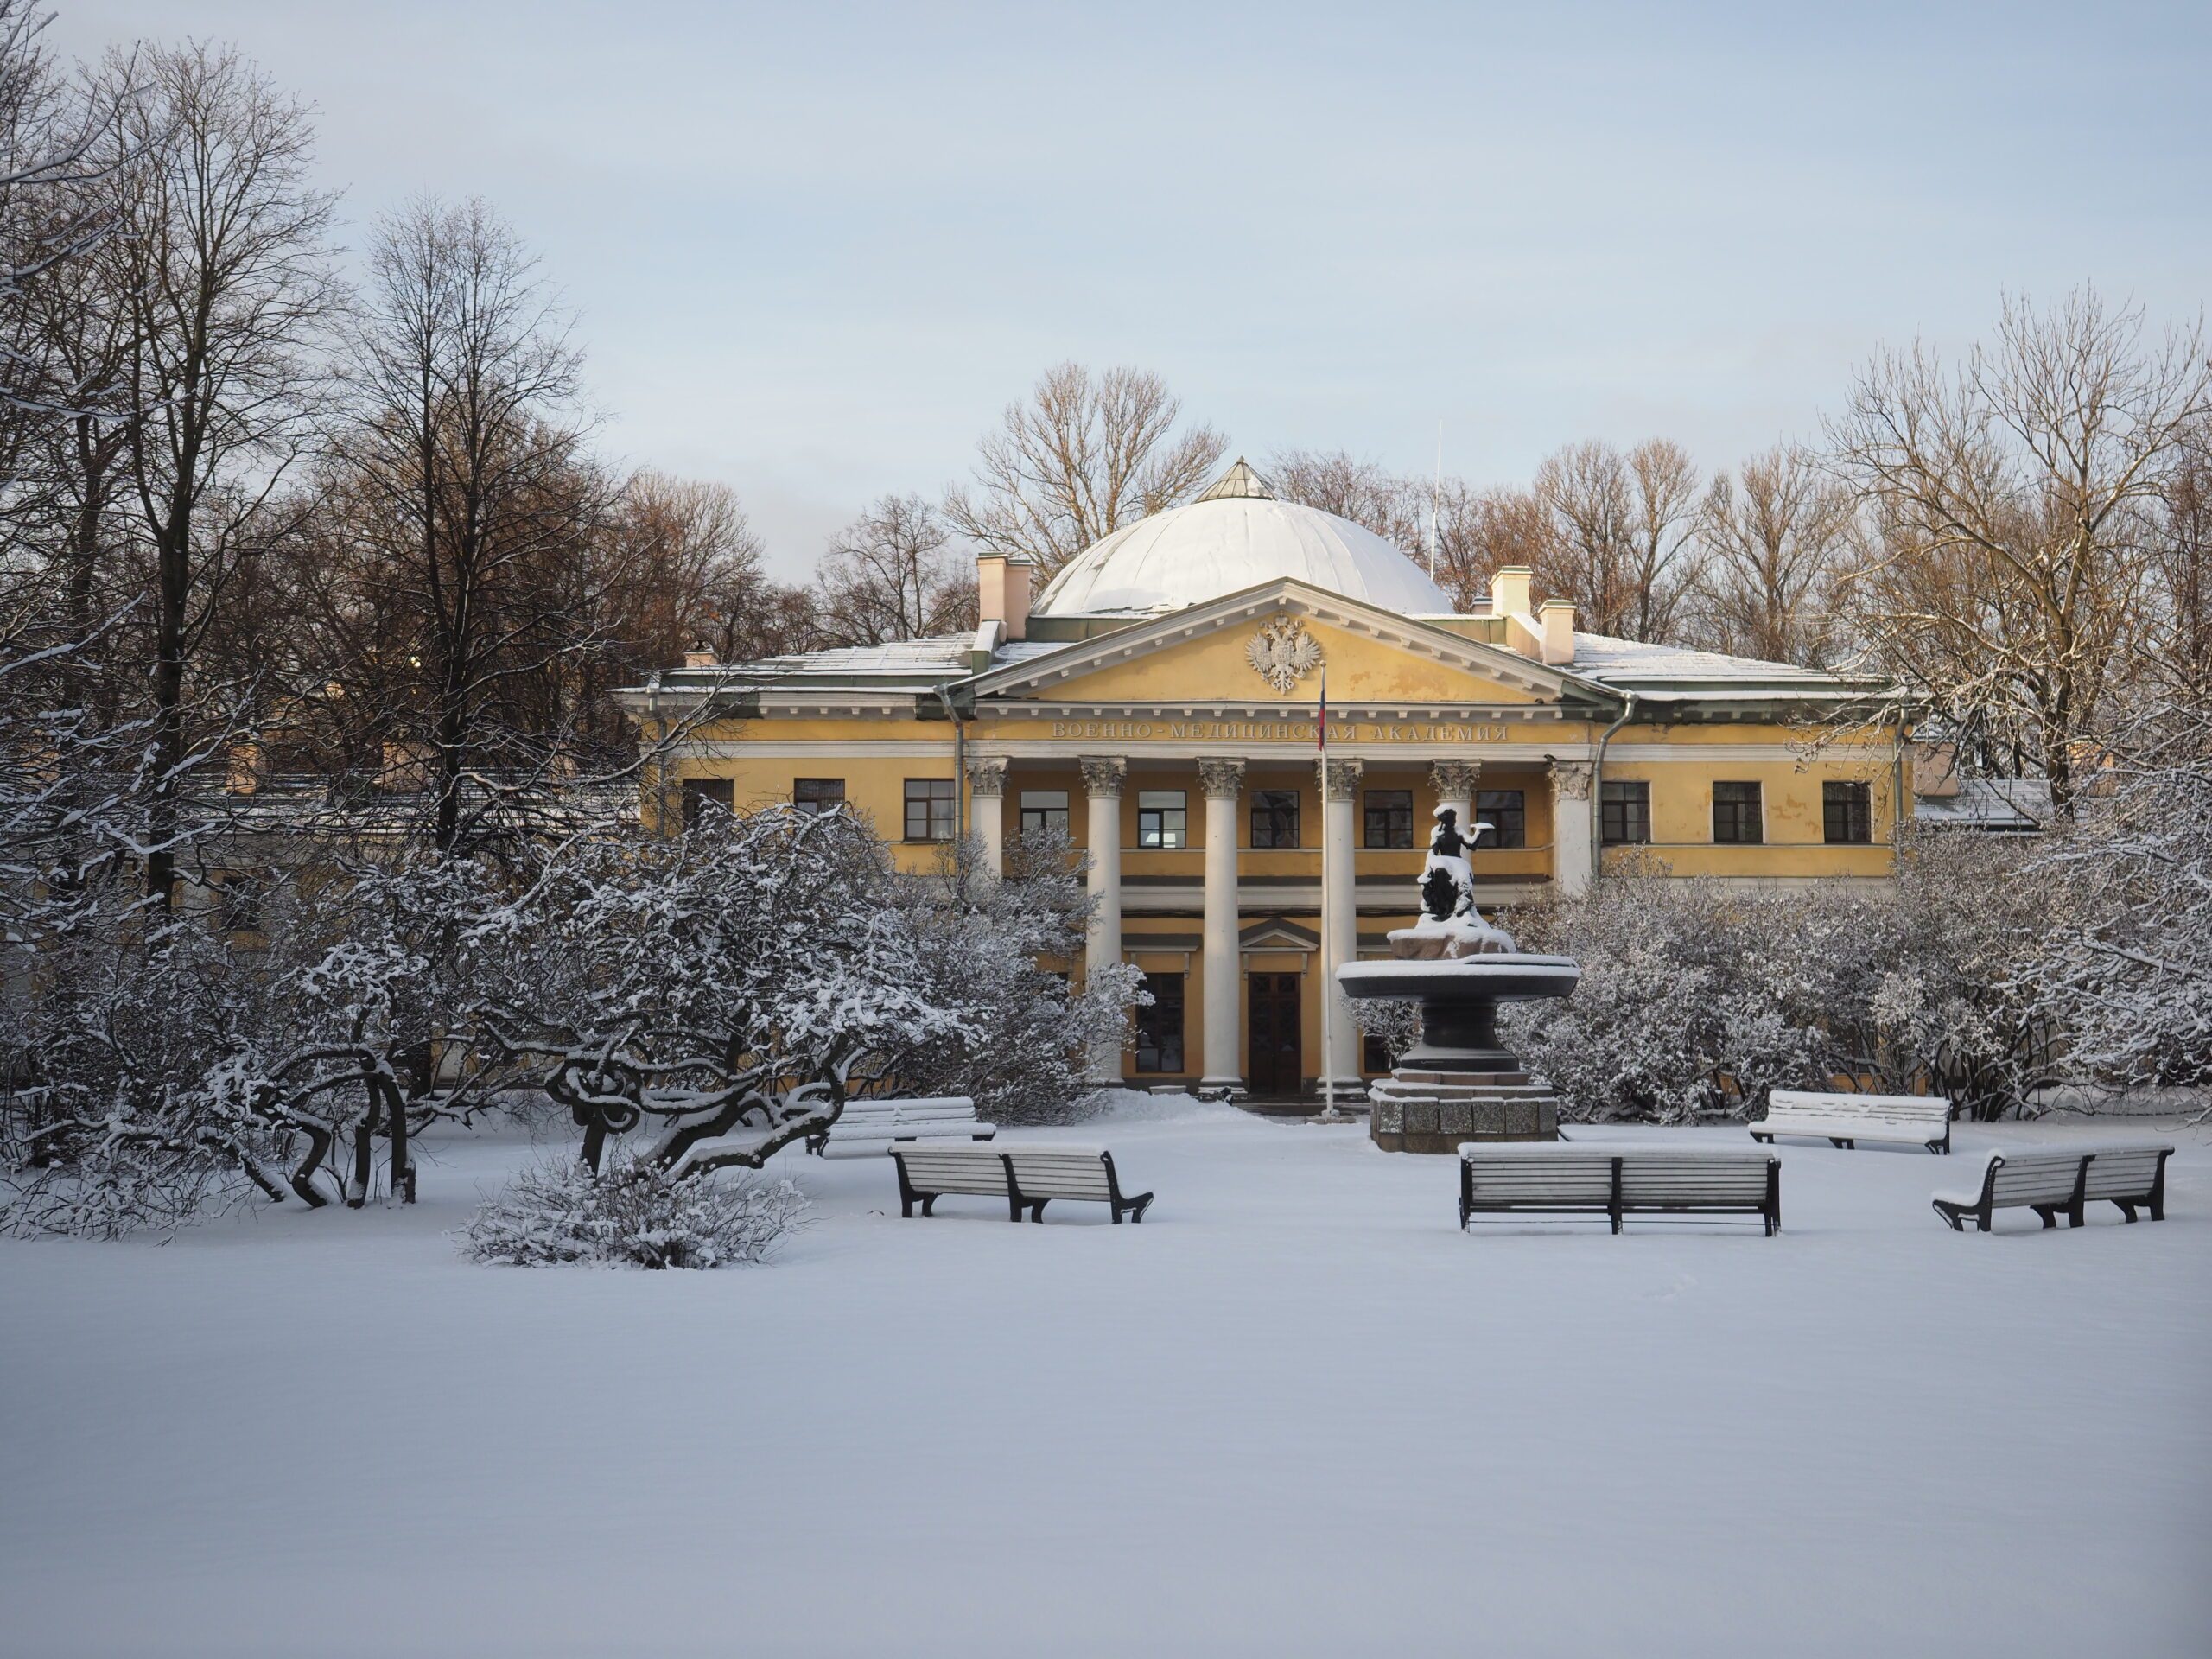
{"x":1328,"y":967}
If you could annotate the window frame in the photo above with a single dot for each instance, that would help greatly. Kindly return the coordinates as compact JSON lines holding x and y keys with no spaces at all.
{"x":1160,"y":812}
{"x":1049,"y":818}
{"x":1631,"y":808}
{"x":1369,"y":810}
{"x":1152,"y":1038}
{"x":1857,"y":800}
{"x":1738,"y":819}
{"x":1275,"y":807}
{"x":699,"y":793}
{"x":815,"y":809}
{"x":1519,"y":817}
{"x":938,"y":792}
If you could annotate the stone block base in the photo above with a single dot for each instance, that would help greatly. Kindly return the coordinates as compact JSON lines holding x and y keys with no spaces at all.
{"x":1410,"y":1122}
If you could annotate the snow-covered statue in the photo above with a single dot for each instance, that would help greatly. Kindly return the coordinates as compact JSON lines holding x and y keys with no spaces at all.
{"x":1450,"y":924}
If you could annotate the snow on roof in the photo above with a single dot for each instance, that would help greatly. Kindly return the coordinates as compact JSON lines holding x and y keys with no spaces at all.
{"x":1604,"y":657}
{"x":1234,"y":537}
{"x":2009,"y":804}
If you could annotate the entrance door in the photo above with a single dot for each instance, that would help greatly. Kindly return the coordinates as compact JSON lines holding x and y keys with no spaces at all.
{"x":1275,"y":1069}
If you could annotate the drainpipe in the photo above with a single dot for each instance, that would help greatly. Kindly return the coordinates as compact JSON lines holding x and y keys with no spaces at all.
{"x":1598,"y":791}
{"x":959,"y":764}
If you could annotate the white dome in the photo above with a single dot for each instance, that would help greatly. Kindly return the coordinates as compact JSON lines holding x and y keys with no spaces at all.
{"x":1234,"y":537}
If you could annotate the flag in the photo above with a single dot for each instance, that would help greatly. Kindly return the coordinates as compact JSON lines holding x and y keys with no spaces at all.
{"x":1321,"y":721}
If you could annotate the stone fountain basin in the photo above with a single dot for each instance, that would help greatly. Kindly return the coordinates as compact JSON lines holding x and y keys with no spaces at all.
{"x":1499,"y":978}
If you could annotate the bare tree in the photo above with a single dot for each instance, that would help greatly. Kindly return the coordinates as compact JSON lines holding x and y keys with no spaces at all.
{"x":696,"y":576}
{"x":1624,"y":555}
{"x":2013,"y":498}
{"x":476,"y":508}
{"x":889,"y":576}
{"x":1771,"y":548}
{"x":221,"y":269}
{"x":2173,"y":642}
{"x":1083,"y":455}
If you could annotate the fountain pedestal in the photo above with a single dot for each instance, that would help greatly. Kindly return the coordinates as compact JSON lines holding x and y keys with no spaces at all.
{"x":1458,"y":1083}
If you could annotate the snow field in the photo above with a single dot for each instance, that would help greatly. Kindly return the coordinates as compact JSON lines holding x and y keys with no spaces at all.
{"x":1295,"y":1412}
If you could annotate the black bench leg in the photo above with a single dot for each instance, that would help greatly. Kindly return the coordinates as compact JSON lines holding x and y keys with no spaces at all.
{"x":2125,"y":1208}
{"x":1036,"y":1210}
{"x":2048,"y":1213}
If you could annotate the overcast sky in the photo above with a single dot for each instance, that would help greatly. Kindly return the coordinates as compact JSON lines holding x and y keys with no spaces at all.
{"x":815,"y":248}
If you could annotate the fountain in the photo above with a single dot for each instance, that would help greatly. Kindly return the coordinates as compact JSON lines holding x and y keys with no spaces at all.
{"x":1457,"y":1084}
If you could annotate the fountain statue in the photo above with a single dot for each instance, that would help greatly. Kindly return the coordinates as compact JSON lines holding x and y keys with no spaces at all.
{"x":1457,"y":1084}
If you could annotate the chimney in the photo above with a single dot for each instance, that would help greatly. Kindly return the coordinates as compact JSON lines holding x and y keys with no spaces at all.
{"x":702,"y":655}
{"x":1002,"y":592}
{"x":1508,"y":590}
{"x":1555,"y":632}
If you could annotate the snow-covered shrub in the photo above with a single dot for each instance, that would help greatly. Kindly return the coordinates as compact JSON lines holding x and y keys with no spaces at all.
{"x":722,"y":989}
{"x":630,"y":1215}
{"x":2125,"y":970}
{"x":1696,"y":1000}
{"x":1393,"y":1021}
{"x":988,"y":949}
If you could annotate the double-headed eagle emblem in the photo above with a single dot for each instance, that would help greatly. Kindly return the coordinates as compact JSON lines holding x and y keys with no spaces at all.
{"x":1283,"y":653}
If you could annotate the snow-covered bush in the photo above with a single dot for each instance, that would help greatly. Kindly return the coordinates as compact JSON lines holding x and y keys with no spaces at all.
{"x":630,"y":1215}
{"x":2126,"y":970}
{"x":723,"y":989}
{"x":1393,"y":1021}
{"x":1696,"y":1000}
{"x":988,"y":949}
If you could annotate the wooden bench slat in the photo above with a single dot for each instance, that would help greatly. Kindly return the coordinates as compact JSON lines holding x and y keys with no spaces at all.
{"x":1616,"y":1181}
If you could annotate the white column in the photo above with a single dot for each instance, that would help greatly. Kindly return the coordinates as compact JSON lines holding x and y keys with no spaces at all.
{"x":1454,"y":783}
{"x":1102,"y":781}
{"x":986,"y":809}
{"x":1574,"y":832}
{"x":1223,"y":782}
{"x":1340,"y":919}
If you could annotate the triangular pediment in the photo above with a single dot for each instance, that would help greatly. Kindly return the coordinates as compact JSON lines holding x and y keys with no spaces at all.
{"x":1270,"y":645}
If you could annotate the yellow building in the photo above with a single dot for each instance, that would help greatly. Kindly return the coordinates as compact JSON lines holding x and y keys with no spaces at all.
{"x":1159,"y":701}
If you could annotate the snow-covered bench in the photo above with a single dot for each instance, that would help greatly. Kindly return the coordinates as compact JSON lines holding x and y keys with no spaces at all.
{"x":1027,"y":1177}
{"x":2128,"y":1174}
{"x":868,"y":1127}
{"x":1845,"y":1120}
{"x":1563,"y":1178}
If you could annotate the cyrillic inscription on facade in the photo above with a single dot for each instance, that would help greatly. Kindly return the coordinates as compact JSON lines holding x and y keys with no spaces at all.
{"x":1276,"y":731}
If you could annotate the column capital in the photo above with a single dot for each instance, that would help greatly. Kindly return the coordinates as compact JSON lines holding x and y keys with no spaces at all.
{"x":1221,"y":780}
{"x":1571,"y":779}
{"x":1103,"y":775}
{"x":1454,"y":780}
{"x":1340,"y":778}
{"x":987,"y":775}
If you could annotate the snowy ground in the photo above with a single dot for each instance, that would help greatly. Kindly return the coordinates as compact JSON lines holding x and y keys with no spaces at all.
{"x":1295,"y":1412}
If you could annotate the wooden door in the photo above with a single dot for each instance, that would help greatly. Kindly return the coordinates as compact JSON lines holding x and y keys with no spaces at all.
{"x":1275,"y":1068}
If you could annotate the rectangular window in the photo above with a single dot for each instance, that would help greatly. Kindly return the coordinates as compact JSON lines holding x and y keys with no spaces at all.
{"x":815,"y":795}
{"x":1737,"y":819}
{"x":931,"y":809}
{"x":1044,"y":811}
{"x":1162,"y":819}
{"x":1274,"y":817}
{"x":1847,"y":812}
{"x":1506,"y":811}
{"x":1389,"y":817}
{"x":1159,"y":1027}
{"x":1625,"y":814}
{"x":1374,"y":1053}
{"x":699,"y":793}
